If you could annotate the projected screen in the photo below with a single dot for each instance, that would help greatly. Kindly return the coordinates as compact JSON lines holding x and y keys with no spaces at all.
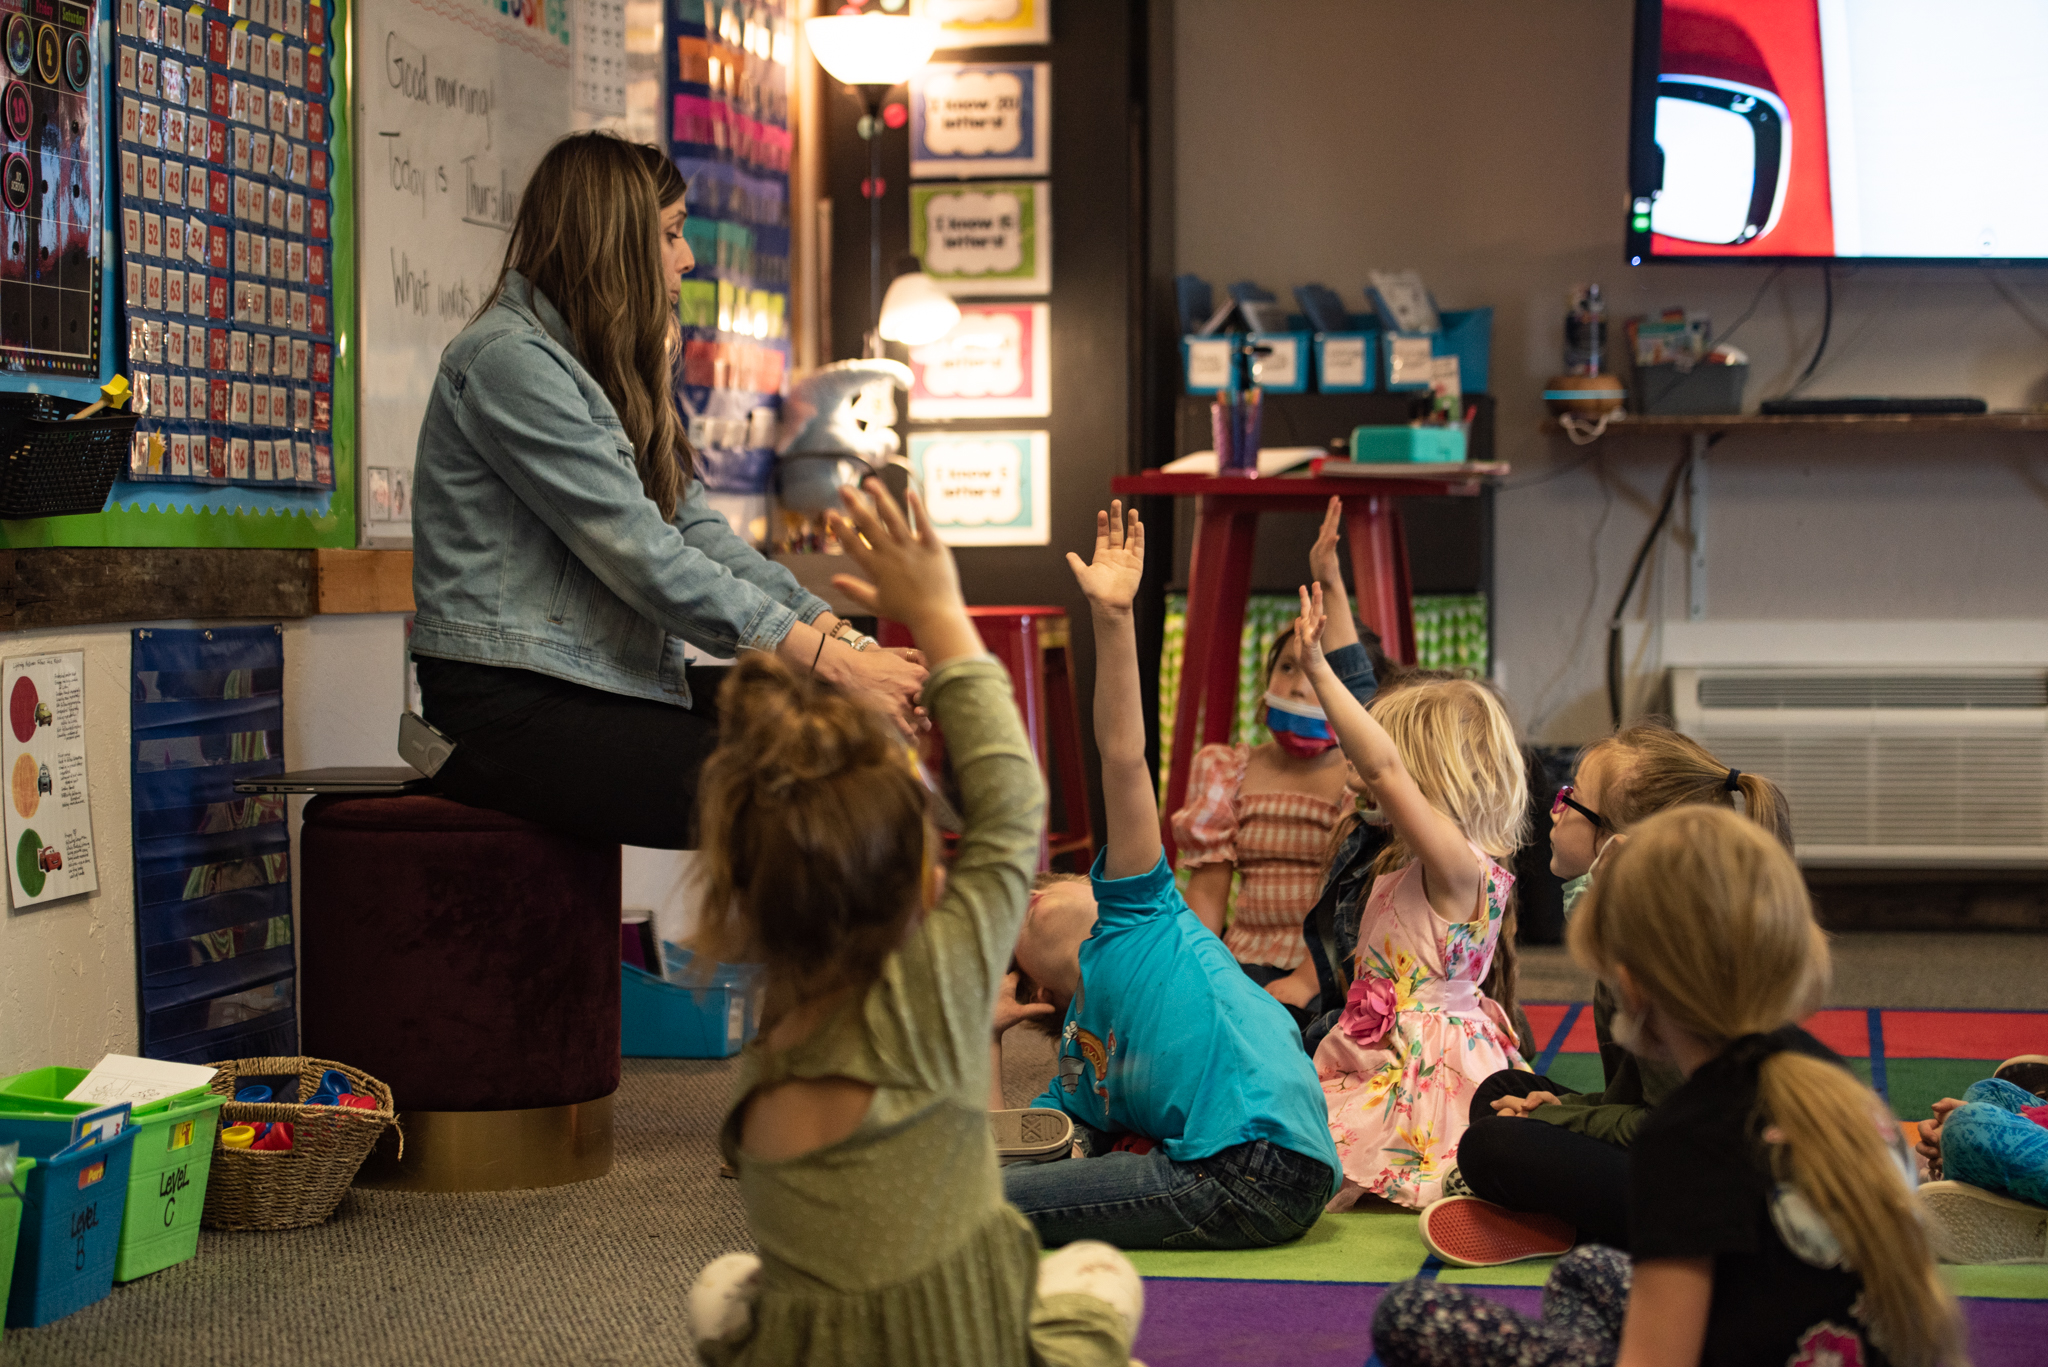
{"x":1895,"y":129}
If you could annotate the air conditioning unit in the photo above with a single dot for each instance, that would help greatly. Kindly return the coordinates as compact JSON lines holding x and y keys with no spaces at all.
{"x":1887,"y":768}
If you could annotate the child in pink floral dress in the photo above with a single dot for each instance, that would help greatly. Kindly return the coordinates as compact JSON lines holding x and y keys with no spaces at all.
{"x":1417,"y":1035}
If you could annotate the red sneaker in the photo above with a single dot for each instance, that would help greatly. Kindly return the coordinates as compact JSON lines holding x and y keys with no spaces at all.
{"x":1465,"y":1231}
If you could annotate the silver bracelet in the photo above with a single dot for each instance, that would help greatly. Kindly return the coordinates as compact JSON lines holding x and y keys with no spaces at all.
{"x":853,"y":639}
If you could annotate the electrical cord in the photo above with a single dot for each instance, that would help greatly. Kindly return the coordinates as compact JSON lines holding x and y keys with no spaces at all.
{"x":1635,"y":573}
{"x":1827,"y":328}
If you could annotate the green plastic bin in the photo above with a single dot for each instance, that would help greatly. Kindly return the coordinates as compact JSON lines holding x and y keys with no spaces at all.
{"x":10,"y":1231}
{"x":167,"y":1181}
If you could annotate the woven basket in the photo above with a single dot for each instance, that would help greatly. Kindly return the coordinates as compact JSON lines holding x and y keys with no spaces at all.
{"x":253,"y":1189}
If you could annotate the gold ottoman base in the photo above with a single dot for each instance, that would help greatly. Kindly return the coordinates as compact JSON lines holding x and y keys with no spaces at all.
{"x":548,"y":1146}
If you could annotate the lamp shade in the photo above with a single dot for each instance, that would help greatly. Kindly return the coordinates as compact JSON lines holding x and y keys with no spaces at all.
{"x":872,"y":49}
{"x":916,"y":310}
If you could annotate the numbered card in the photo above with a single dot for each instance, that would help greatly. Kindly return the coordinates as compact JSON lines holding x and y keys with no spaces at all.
{"x":985,"y":488}
{"x":987,"y":239}
{"x":981,"y":119}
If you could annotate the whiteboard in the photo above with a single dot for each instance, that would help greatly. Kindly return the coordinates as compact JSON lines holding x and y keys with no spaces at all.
{"x":455,"y":103}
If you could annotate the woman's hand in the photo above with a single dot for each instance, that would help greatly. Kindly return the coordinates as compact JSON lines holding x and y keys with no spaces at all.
{"x":1111,"y":579}
{"x":1518,"y":1106}
{"x":911,"y":576}
{"x":881,"y":679}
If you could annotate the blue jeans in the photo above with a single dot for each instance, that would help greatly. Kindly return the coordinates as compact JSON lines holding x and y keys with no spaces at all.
{"x":1987,"y":1143}
{"x":1247,"y":1196}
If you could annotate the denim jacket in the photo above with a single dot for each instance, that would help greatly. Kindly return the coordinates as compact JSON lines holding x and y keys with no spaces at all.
{"x":534,"y":545}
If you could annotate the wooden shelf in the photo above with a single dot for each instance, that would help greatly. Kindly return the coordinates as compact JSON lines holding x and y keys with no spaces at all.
{"x":1868,"y":423}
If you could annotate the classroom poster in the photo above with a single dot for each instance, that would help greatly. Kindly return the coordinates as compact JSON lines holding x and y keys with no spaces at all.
{"x":990,"y":23}
{"x":981,"y":119}
{"x":986,"y":488}
{"x":984,"y":239}
{"x":49,"y":814}
{"x":994,"y":363}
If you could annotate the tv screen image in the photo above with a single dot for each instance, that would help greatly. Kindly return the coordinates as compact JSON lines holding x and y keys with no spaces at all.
{"x":1870,"y":130}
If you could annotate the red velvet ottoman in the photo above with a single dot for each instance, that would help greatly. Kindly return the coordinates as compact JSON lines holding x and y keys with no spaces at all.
{"x":469,"y":960}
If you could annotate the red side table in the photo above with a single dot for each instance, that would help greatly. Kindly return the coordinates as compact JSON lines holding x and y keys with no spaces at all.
{"x":1219,"y":579}
{"x":1034,"y":645}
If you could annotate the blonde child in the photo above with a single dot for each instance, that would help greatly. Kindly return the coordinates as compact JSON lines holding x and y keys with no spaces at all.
{"x":1770,"y":1194}
{"x":859,"y":1131}
{"x":1266,"y":811}
{"x":1572,"y":1164}
{"x":1417,"y":1034}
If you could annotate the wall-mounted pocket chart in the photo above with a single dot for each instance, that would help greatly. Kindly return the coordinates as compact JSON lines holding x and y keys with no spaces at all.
{"x":213,"y":886}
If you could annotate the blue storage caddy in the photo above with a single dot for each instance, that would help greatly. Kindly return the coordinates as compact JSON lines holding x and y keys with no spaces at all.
{"x":1407,"y":445}
{"x":660,"y":1019}
{"x":70,"y":1232}
{"x":1285,"y":370}
{"x":1347,"y":362}
{"x":1468,"y":335}
{"x":1208,"y":364}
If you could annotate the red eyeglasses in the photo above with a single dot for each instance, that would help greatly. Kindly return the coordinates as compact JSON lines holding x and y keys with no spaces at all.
{"x":1564,"y":800}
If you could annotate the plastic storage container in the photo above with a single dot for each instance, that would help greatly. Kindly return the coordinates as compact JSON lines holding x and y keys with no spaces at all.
{"x":167,"y":1178}
{"x":1407,"y":445}
{"x":70,"y":1232}
{"x":669,"y":1020}
{"x":50,"y":467}
{"x":1347,"y":362}
{"x":10,"y":1228}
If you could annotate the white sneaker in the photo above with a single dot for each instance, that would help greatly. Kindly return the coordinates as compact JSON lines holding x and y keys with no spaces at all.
{"x":1031,"y":1136}
{"x":1090,"y":1267}
{"x":1971,"y":1225}
{"x":722,"y":1298}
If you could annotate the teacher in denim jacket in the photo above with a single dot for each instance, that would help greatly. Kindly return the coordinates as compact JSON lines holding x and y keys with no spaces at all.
{"x":563,"y":551}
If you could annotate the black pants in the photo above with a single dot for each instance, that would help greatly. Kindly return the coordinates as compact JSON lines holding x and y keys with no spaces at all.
{"x":578,"y":759}
{"x":1534,"y":1166}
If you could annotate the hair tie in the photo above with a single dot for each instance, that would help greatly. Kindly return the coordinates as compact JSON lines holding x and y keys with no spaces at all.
{"x":1734,"y":783}
{"x":1749,"y":1051}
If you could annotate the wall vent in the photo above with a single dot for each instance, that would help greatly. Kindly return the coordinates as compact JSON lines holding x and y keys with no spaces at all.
{"x":1921,"y":768}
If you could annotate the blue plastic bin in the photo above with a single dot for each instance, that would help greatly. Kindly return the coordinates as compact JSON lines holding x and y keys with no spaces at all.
{"x":10,"y":1227}
{"x":1467,"y":335}
{"x":1208,"y":364}
{"x":1284,"y":367}
{"x":70,"y":1232}
{"x":1347,"y":362}
{"x":668,"y":1020}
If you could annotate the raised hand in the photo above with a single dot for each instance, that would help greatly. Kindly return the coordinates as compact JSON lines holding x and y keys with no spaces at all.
{"x":910,"y":574}
{"x":1308,"y":627}
{"x":1322,"y":557}
{"x":1111,"y":579}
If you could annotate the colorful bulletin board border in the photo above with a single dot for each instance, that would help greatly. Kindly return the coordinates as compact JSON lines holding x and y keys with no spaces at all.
{"x":986,"y":488}
{"x":995,"y":363}
{"x":993,"y":238}
{"x":990,"y":23}
{"x":143,"y":514}
{"x":981,"y":119}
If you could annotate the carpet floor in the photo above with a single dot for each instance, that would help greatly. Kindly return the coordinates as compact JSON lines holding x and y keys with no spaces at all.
{"x":596,"y":1273}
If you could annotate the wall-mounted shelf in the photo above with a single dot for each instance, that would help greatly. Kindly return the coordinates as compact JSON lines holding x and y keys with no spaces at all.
{"x":1873,"y":424}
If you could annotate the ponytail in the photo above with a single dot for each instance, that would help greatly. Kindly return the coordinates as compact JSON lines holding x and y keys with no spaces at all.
{"x":1649,"y":767}
{"x":1835,"y":1155}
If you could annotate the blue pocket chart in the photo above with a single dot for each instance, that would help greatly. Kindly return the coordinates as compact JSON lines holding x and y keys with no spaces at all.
{"x":972,"y":119}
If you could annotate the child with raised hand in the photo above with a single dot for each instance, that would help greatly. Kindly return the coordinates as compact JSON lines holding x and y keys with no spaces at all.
{"x":1770,"y":1194}
{"x":1417,"y":1034}
{"x":1266,"y":811}
{"x":858,"y":1131}
{"x":1200,"y":1113}
{"x":1571,"y":1165}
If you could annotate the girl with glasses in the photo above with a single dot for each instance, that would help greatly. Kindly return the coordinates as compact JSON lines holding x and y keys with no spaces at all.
{"x":1538,"y":1148}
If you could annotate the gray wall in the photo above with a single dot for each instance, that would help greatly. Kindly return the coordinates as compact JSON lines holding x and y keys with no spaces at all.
{"x":1483,"y":142}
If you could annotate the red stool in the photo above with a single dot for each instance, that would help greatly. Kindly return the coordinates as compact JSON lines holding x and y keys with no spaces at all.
{"x":1034,"y":645}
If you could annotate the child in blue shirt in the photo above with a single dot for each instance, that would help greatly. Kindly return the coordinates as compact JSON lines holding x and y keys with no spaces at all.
{"x":1203,"y":1120}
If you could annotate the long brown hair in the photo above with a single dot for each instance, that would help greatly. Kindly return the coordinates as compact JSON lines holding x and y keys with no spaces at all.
{"x":1649,"y":767}
{"x":1711,"y":918}
{"x":588,"y":238}
{"x":815,"y":844}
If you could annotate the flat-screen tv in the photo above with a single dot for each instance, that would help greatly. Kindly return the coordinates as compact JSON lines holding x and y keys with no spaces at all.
{"x":1857,"y":130}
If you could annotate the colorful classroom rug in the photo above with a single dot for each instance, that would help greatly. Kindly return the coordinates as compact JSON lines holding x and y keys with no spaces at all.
{"x":1310,"y":1303}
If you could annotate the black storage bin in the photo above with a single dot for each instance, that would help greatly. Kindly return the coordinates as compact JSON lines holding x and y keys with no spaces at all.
{"x":53,"y":468}
{"x":1666,"y":391}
